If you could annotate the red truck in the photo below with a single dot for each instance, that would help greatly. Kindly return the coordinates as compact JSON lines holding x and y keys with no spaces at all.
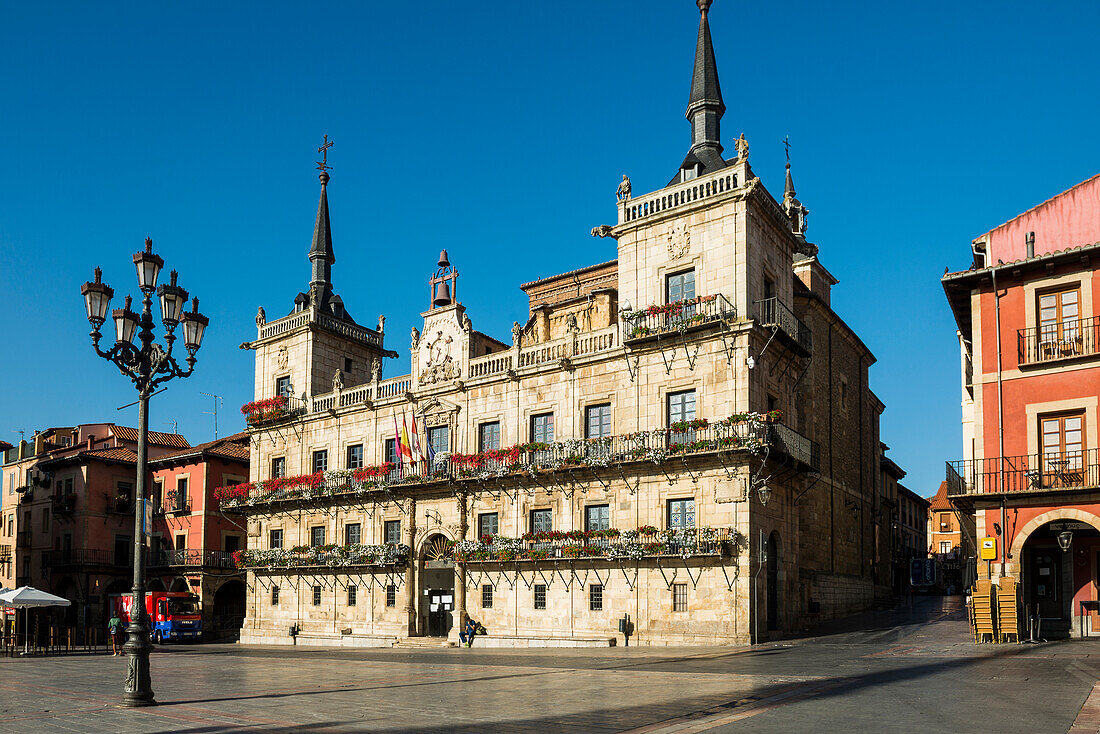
{"x":173,"y":615}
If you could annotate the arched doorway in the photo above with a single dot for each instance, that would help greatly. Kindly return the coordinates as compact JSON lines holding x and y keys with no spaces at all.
{"x":179,"y":584}
{"x":155,"y":585}
{"x":228,"y":616}
{"x":437,"y":586}
{"x":773,"y":581}
{"x":1058,"y":564}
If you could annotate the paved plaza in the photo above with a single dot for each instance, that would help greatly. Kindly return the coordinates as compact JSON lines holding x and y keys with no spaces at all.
{"x":900,"y":671}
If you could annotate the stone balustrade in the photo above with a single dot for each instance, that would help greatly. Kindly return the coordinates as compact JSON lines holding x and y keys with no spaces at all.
{"x":296,"y":320}
{"x":491,"y":364}
{"x":672,"y":197}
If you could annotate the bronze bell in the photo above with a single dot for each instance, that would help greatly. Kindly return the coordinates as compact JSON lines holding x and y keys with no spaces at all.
{"x":442,"y":292}
{"x":443,"y":261}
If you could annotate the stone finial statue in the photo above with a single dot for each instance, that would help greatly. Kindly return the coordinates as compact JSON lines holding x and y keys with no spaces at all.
{"x":261,"y":317}
{"x":376,"y":368}
{"x":571,"y":323}
{"x":517,"y":333}
{"x":623,"y":192}
{"x":467,"y":325}
{"x":742,"y":147}
{"x":381,"y":323}
{"x":338,"y":381}
{"x":415,"y":335}
{"x":604,"y":230}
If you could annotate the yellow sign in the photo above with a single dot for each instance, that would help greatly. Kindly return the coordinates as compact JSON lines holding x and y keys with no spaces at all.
{"x":989,"y":549}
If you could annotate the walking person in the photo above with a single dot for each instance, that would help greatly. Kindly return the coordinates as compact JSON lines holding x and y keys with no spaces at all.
{"x":114,"y":628}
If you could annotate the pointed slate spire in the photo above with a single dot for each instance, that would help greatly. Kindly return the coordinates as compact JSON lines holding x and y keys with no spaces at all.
{"x":788,"y":186}
{"x":321,"y":256}
{"x":705,"y":106}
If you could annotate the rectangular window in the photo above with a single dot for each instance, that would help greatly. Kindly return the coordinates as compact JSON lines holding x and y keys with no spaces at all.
{"x":123,"y":550}
{"x":1062,"y":439}
{"x":597,"y":517}
{"x":317,"y":536}
{"x":282,"y":386}
{"x":439,"y":438}
{"x":487,"y":524}
{"x":680,"y":286}
{"x":486,"y":596}
{"x":540,"y":596}
{"x":274,"y":596}
{"x":316,"y":596}
{"x":278,"y":467}
{"x":597,"y":421}
{"x":595,"y":598}
{"x":355,"y":456}
{"x":681,"y":513}
{"x":351,"y":596}
{"x":488,"y":436}
{"x":542,"y":520}
{"x":1059,"y":323}
{"x":389,"y":451}
{"x":181,"y":494}
{"x":275,"y":539}
{"x":945,"y":546}
{"x":352,"y":534}
{"x":181,"y":542}
{"x":769,"y":287}
{"x":681,"y":408}
{"x":391,"y":532}
{"x":320,"y":460}
{"x":542,"y":428}
{"x":679,"y":597}
{"x":45,"y":519}
{"x":391,"y":596}
{"x":347,"y":365}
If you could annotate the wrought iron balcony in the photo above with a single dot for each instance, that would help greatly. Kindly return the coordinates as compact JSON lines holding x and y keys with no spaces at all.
{"x":770,"y":312}
{"x":1053,"y":342}
{"x":23,"y":539}
{"x":677,"y":317}
{"x":177,"y":506}
{"x":63,"y":504}
{"x":1051,"y":472}
{"x":119,"y":558}
{"x":191,"y":558}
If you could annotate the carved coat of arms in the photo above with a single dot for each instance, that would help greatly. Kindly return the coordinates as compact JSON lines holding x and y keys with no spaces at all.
{"x":679,"y":240}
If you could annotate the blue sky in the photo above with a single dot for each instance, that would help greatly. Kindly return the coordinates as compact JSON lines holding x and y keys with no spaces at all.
{"x":499,"y":131}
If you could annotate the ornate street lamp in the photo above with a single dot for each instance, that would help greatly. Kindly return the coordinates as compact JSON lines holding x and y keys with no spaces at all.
{"x":148,"y":365}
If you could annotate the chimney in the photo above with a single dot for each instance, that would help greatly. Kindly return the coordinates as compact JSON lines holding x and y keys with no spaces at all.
{"x":1029,"y":238}
{"x":91,"y":440}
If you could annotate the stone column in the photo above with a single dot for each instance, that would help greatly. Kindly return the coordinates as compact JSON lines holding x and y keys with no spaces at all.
{"x":460,"y":571}
{"x":411,"y":571}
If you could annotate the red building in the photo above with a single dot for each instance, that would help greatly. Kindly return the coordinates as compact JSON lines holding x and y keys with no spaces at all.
{"x":1028,"y":314}
{"x":193,"y":541}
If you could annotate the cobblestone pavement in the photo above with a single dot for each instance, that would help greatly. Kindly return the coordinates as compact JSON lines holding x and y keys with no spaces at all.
{"x":900,"y":671}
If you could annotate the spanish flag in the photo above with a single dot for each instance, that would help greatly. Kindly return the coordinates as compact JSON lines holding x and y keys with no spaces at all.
{"x":406,"y":447}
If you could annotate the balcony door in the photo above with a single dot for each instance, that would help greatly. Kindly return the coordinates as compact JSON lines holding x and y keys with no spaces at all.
{"x":1063,"y":445}
{"x":1059,"y":323}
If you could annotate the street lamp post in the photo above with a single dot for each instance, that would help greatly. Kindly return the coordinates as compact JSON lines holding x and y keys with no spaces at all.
{"x":147,"y":365}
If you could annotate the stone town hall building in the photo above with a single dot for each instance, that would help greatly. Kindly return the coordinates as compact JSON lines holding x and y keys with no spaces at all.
{"x":683,"y":434}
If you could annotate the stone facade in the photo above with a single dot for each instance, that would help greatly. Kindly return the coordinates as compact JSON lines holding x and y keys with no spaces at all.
{"x":746,"y":524}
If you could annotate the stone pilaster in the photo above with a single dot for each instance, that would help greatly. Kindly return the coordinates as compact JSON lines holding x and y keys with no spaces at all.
{"x":411,"y":572}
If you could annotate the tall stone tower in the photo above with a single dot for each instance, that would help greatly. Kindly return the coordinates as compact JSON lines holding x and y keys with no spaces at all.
{"x":318,"y":347}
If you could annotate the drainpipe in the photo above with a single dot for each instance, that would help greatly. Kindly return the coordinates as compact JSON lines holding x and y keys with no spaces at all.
{"x":1000,"y":419}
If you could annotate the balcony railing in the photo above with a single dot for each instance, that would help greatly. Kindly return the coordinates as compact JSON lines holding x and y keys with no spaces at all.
{"x":89,"y":557}
{"x":646,"y":542}
{"x":1072,"y":470}
{"x":677,"y":317}
{"x":193,"y":558}
{"x":23,"y":539}
{"x":273,"y":410}
{"x":63,"y":504}
{"x":743,"y":433}
{"x":771,"y":312}
{"x":119,"y":505}
{"x":1064,"y":340}
{"x":178,"y":506}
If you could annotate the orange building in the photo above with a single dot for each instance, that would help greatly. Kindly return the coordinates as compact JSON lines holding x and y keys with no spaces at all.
{"x":193,"y":541}
{"x":1028,"y":315}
